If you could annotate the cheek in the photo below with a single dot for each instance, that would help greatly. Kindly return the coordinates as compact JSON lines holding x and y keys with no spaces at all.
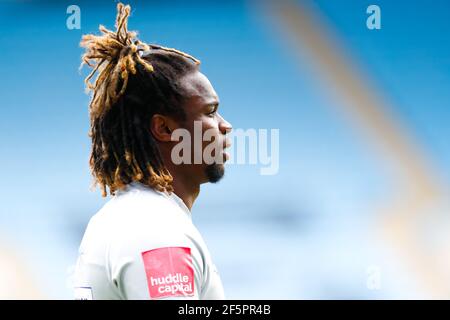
{"x":201,"y":124}
{"x":210,"y":125}
{"x":202,"y":121}
{"x":205,"y":123}
{"x":212,"y":145}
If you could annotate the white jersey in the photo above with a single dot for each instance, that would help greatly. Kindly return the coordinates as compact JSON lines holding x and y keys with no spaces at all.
{"x":143,"y":245}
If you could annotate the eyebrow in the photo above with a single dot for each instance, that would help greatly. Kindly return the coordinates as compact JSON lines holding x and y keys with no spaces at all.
{"x":214,"y":104}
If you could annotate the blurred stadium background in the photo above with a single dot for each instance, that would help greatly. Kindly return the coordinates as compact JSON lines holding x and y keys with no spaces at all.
{"x":360,"y":207}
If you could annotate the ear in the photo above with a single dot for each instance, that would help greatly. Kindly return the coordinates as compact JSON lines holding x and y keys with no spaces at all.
{"x":162,"y":127}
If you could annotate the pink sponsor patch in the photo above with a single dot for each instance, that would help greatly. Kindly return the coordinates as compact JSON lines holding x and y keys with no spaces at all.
{"x":169,"y":272}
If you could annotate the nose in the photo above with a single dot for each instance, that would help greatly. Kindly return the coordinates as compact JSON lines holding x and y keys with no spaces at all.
{"x":224,"y":126}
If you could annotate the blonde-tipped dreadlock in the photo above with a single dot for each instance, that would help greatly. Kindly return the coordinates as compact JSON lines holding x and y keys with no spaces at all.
{"x":129,"y":154}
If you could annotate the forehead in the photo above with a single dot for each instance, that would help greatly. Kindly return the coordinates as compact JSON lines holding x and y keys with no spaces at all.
{"x":198,"y":90}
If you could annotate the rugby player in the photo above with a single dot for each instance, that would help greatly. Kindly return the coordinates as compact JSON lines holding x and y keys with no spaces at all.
{"x":142,"y":244}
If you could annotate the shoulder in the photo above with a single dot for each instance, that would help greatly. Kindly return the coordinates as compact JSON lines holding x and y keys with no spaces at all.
{"x":142,"y":219}
{"x":133,"y":217}
{"x":135,"y":206}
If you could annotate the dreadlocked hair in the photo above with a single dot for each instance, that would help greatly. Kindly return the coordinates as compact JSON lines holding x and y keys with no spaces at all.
{"x":134,"y":81}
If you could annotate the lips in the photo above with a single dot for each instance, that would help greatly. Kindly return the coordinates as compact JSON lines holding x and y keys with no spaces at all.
{"x":226,"y":144}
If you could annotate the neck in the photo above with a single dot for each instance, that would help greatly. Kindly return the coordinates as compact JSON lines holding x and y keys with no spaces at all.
{"x":186,"y":190}
{"x":184,"y":185}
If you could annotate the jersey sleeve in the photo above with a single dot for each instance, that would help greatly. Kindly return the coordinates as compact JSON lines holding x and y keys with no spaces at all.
{"x":163,"y":266}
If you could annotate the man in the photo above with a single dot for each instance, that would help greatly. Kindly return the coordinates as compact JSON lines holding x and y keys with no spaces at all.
{"x":142,"y":244}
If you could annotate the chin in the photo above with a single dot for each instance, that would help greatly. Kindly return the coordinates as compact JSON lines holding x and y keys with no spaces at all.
{"x":215,"y":172}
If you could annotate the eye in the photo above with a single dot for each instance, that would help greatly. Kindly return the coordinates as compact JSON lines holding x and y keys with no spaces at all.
{"x":213,"y":112}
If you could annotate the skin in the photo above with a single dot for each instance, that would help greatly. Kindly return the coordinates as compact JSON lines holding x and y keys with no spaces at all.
{"x":201,"y":104}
